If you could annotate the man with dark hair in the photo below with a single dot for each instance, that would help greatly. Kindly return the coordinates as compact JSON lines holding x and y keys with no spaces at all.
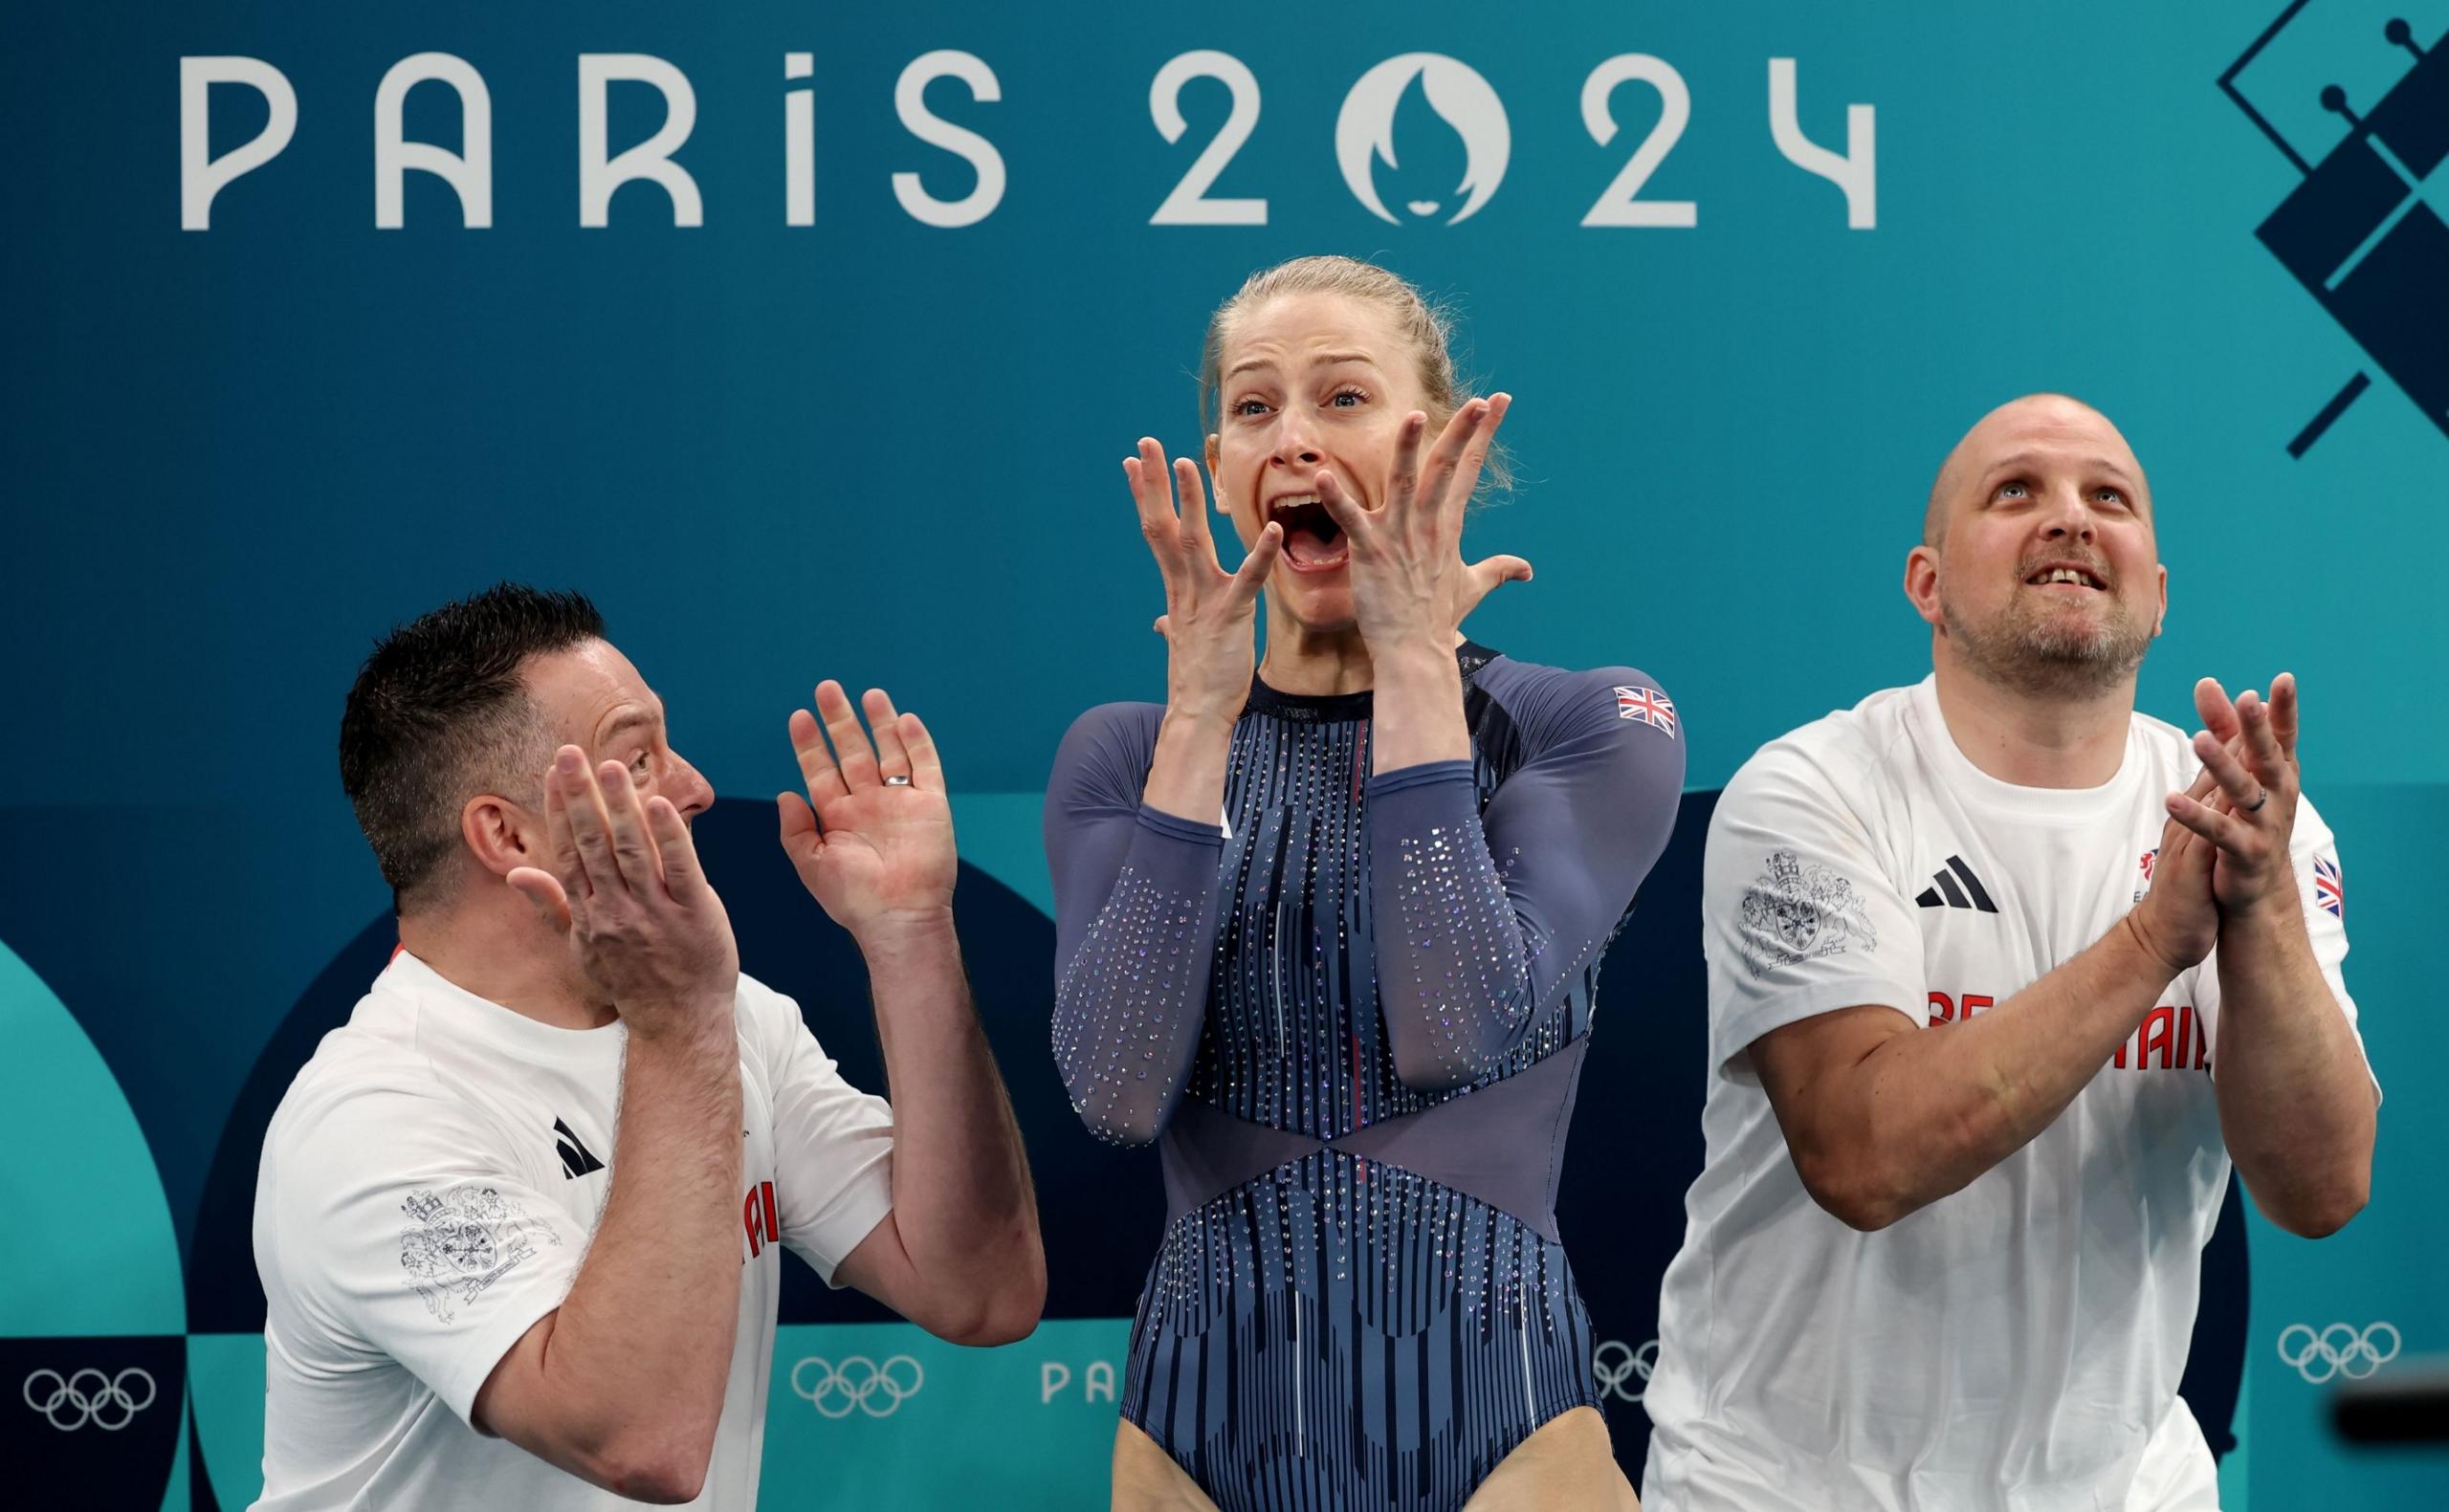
{"x":2004,"y":978}
{"x":437,"y":712}
{"x":520,"y":1221}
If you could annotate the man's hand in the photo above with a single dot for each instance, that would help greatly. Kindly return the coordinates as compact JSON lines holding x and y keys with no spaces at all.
{"x":623,"y":1384}
{"x":2249,"y":749}
{"x":627,"y":893}
{"x":873,"y":839}
{"x":2177,"y":923}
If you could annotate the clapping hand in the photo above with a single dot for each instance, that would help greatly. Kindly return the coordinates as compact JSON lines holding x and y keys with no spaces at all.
{"x":2248,"y":750}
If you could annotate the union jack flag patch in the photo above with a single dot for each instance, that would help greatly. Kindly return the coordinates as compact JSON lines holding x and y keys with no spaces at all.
{"x":2329,"y":888}
{"x":1647,"y":705}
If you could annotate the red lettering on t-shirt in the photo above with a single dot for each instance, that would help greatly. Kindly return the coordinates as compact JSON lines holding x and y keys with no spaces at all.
{"x":757,"y":1220}
{"x":1943,"y":1010}
{"x":2159,"y":1028}
{"x":2178,"y":1036}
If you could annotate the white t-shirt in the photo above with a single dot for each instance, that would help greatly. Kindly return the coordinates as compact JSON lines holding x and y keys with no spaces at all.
{"x":428,"y":1190}
{"x":2019,"y":1343}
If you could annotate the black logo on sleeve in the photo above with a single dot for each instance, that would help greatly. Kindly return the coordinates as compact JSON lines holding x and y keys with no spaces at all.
{"x":1944,"y":893}
{"x":577,"y":1160}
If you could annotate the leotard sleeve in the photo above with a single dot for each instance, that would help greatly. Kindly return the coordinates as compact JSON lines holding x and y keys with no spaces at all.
{"x":1134,"y":924}
{"x":1481,"y":919}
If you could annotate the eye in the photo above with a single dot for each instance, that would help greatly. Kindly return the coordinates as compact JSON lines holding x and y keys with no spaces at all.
{"x":642,"y":763}
{"x":2107,"y":495}
{"x":2015,"y":488}
{"x":1347,"y":399}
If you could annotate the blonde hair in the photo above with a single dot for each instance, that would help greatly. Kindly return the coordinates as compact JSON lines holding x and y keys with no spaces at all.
{"x":1427,"y":329}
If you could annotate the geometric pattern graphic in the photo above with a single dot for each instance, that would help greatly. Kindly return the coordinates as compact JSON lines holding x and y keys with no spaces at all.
{"x":2358,"y":232}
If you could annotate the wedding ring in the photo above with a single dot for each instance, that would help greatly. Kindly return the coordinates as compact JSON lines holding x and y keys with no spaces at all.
{"x":2260,"y":801}
{"x":902,"y":779}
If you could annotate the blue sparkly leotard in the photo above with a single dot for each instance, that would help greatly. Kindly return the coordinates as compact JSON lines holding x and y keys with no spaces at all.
{"x":1353,"y":1018}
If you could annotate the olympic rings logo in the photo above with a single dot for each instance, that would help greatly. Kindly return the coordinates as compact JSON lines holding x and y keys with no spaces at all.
{"x":1627,"y":1363}
{"x":857,"y":1385}
{"x":2339,"y":1349}
{"x":90,"y":1396}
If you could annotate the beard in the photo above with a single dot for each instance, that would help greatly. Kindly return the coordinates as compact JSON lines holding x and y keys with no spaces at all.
{"x":2042,"y":652}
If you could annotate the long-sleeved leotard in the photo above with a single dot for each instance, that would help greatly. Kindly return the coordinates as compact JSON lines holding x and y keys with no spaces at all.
{"x":1352,"y":1013}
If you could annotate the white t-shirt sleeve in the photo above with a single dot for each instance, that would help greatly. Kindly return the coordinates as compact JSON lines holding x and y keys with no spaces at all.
{"x":1798,"y":917}
{"x":406,"y":1229}
{"x":832,"y":1143}
{"x":2321,"y":884}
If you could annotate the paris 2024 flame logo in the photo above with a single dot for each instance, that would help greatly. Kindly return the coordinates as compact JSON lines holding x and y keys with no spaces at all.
{"x":1365,"y":131}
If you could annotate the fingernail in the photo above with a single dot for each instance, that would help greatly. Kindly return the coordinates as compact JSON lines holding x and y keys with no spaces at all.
{"x":566,"y":760}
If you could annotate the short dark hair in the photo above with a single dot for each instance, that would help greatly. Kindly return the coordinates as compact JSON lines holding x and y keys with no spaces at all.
{"x":438,"y":715}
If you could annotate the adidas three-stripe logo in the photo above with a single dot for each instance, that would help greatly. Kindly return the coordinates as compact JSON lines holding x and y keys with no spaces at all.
{"x":577,"y":1160}
{"x":1944,"y":893}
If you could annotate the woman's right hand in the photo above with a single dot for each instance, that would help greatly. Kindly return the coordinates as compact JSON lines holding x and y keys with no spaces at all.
{"x":1209,"y":623}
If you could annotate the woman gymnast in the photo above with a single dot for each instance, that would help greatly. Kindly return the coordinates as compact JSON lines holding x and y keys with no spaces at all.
{"x":1329,"y":934}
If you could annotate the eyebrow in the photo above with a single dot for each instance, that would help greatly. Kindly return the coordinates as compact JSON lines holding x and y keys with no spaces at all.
{"x":628,"y":719}
{"x":1323,"y":360}
{"x":2027,"y":462}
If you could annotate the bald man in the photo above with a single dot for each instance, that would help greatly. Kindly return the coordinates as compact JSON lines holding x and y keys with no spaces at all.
{"x":2004,"y":976}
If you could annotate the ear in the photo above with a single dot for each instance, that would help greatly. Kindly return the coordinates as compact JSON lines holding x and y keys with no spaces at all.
{"x":2160,"y":620}
{"x":1215,"y":488}
{"x":502,"y":836}
{"x":1922,"y":584}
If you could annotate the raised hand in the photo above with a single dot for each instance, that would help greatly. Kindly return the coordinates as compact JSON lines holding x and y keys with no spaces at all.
{"x":1210,"y":614}
{"x":2249,"y":748}
{"x":873,"y":839}
{"x":626,"y":890}
{"x":1410,"y":585}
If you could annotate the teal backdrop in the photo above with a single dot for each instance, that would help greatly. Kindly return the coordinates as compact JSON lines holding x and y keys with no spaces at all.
{"x":862,"y":418}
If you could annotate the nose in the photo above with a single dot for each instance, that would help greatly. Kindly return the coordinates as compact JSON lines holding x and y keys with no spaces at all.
{"x":2068,"y":516}
{"x":1297,"y":440}
{"x":688,"y":788}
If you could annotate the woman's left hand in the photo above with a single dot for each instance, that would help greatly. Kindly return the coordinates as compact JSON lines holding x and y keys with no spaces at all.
{"x":1410,"y":586}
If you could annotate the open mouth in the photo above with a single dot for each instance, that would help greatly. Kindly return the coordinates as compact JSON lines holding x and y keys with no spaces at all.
{"x":1313,"y":541}
{"x":2066,"y":575}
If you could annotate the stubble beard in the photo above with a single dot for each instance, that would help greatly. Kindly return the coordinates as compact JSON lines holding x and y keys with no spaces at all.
{"x":2052,"y":654}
